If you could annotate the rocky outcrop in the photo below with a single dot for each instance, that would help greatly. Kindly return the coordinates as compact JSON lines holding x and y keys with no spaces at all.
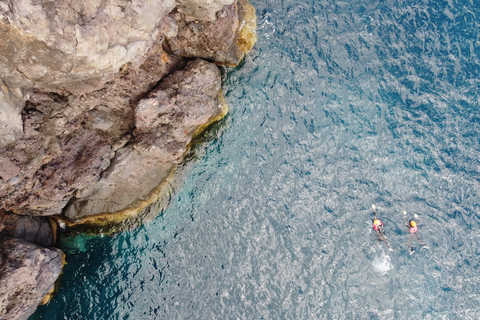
{"x":72,"y":45}
{"x":99,"y":103}
{"x":69,"y":139}
{"x":225,"y":40}
{"x":27,"y":273}
{"x":166,"y":120}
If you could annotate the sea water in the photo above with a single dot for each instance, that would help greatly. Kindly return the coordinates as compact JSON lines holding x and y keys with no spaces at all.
{"x":340,"y":105}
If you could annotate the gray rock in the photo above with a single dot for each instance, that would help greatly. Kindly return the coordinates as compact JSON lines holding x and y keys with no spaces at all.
{"x":201,"y":9}
{"x":11,"y":105}
{"x":62,"y":43}
{"x":27,"y":273}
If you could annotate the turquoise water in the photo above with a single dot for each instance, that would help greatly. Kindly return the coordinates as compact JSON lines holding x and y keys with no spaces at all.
{"x":340,"y":105}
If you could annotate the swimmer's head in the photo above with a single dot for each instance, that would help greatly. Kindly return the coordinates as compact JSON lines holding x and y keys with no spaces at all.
{"x":377,"y":222}
{"x":413,"y":224}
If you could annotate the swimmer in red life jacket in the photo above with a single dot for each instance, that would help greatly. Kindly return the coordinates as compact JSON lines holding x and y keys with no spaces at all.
{"x":413,"y":228}
{"x":378,"y":227}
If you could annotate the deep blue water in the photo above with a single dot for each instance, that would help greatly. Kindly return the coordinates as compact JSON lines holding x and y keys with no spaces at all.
{"x":340,"y":105}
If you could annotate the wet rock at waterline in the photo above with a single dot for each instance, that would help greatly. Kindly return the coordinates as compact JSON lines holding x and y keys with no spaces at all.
{"x":27,"y":274}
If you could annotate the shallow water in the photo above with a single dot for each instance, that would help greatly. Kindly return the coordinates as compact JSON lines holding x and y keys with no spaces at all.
{"x":339,"y":106}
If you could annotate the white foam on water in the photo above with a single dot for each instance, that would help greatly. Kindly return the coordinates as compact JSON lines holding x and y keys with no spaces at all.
{"x":382,"y":264}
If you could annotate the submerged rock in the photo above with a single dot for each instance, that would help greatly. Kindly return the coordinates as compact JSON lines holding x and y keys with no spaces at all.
{"x":27,"y":273}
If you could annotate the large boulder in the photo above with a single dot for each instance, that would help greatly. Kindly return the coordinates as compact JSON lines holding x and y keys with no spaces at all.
{"x":166,"y":120}
{"x":38,"y":230}
{"x":27,"y":273}
{"x":224,"y":40}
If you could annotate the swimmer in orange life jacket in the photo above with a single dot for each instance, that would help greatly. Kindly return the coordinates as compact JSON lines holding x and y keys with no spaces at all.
{"x":378,"y":227}
{"x":413,"y":228}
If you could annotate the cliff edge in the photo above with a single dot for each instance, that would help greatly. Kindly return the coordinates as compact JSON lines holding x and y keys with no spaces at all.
{"x":99,"y":103}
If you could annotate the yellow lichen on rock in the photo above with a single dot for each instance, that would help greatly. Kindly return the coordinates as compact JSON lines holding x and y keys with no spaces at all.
{"x":56,"y":286}
{"x":247,"y":35}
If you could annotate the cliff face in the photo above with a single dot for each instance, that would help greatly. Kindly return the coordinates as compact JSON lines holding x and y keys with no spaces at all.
{"x":99,"y":102}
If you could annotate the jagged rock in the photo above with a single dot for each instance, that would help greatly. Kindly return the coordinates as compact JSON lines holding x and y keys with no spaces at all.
{"x":27,"y":273}
{"x":62,"y":43}
{"x":69,"y":140}
{"x":225,"y":40}
{"x":165,"y":122}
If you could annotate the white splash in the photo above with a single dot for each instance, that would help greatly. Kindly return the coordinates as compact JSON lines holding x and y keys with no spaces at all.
{"x":382,"y":264}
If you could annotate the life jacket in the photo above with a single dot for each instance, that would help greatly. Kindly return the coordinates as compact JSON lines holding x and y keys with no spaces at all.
{"x":377,"y":227}
{"x":413,"y":229}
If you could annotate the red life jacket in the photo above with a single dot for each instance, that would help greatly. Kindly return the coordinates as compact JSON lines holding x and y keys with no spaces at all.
{"x":413,"y":229}
{"x":376,"y":227}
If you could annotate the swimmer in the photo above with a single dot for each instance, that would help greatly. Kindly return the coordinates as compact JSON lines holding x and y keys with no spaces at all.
{"x":378,"y":227}
{"x":413,"y":229}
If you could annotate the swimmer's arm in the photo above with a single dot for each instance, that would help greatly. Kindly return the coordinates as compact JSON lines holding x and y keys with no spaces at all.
{"x":417,"y":220}
{"x":405,"y":219}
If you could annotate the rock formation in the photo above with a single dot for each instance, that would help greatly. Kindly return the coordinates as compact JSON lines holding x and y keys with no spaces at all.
{"x":28,"y":272}
{"x":99,"y":103}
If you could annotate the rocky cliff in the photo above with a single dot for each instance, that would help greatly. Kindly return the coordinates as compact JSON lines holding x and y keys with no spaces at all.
{"x":99,"y":103}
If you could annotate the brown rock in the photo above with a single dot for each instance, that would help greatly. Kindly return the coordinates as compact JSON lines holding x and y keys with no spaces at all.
{"x":27,"y":273}
{"x":70,"y":139}
{"x":223,"y":41}
{"x":165,"y":122}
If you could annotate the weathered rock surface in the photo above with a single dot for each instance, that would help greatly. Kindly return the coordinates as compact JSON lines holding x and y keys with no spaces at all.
{"x":69,"y":140}
{"x":165,"y":122}
{"x":11,"y":103}
{"x":38,"y":230}
{"x":76,"y":45}
{"x":86,"y":129}
{"x":224,"y":40}
{"x":53,"y":43}
{"x":27,"y":274}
